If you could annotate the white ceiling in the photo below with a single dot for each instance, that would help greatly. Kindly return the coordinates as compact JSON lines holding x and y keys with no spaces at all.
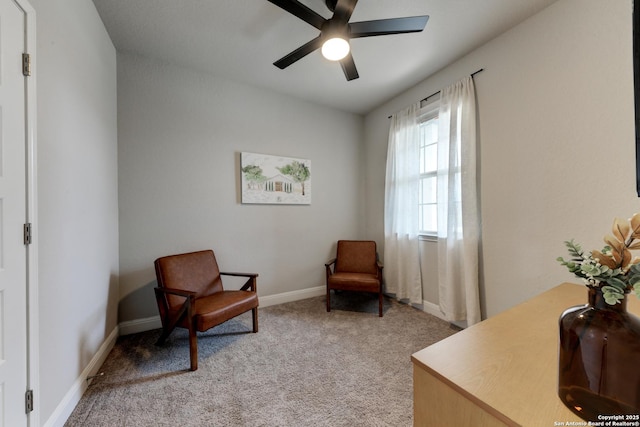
{"x":240,"y":40}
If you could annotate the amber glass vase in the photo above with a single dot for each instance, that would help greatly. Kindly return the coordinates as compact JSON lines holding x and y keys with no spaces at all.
{"x":599,"y":359}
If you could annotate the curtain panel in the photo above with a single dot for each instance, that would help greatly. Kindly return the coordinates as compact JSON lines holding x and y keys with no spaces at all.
{"x":458,"y":216}
{"x":401,"y":245}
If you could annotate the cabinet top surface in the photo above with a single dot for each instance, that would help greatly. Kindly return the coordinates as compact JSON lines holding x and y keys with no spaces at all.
{"x":509,"y":362}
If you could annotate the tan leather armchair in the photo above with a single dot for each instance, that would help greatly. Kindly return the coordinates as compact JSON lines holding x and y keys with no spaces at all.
{"x":190,"y":295}
{"x":355,"y":268}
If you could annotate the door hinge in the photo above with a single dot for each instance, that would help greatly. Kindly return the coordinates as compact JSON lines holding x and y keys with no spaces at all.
{"x":26,"y":64}
{"x":28,"y":401}
{"x":27,"y":233}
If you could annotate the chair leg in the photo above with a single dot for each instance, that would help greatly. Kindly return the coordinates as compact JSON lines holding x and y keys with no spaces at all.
{"x":254,"y":312}
{"x":168,"y":325}
{"x":380,"y":304}
{"x":193,"y":348}
{"x":163,"y":337}
{"x":328,"y":299}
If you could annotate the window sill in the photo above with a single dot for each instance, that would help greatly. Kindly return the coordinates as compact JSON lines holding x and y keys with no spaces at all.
{"x":428,"y":237}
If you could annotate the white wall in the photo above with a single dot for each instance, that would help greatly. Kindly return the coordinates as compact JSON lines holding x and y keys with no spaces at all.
{"x":180,"y":135}
{"x":77,"y":231}
{"x":556,"y":139}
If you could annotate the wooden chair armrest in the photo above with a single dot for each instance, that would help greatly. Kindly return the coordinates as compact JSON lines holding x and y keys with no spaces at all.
{"x":232,"y":273}
{"x":380,"y":266}
{"x":251,"y":282}
{"x":327,"y":268}
{"x":170,"y":320}
{"x":188,"y":306}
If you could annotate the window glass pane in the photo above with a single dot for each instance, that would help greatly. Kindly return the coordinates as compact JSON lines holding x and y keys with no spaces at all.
{"x":430,"y":158}
{"x":430,"y":213}
{"x":429,"y":190}
{"x":428,"y":218}
{"x":428,"y":154}
{"x":431,"y":129}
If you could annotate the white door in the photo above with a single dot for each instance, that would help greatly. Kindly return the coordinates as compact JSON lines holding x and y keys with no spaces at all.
{"x":13,"y":205}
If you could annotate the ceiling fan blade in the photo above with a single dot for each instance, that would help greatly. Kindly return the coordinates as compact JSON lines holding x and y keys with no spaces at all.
{"x":349,"y":67}
{"x":299,"y":53}
{"x":343,"y":10}
{"x":381,"y":27}
{"x":296,"y":8}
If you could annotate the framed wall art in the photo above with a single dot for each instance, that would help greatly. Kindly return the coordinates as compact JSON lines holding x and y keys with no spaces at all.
{"x":271,"y":179}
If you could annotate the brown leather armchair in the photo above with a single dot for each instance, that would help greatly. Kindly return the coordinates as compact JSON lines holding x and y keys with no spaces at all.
{"x":355,"y":268}
{"x":190,"y":295}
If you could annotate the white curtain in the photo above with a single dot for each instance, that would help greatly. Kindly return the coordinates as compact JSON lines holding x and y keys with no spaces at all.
{"x":458,"y":217}
{"x":401,"y":245}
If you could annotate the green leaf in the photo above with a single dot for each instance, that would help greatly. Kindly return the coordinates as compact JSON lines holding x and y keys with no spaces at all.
{"x":617,"y":283}
{"x":612,"y":295}
{"x":574,"y":248}
{"x":590,"y":270}
{"x":633,"y":278}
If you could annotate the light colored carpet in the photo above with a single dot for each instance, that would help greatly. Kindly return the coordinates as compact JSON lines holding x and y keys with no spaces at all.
{"x":305,"y":367}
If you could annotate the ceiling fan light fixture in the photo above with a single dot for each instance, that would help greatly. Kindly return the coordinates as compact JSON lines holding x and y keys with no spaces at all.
{"x":337,"y":31}
{"x":335,"y":49}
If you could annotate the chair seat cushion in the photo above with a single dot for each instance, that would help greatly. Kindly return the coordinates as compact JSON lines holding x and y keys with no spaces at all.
{"x":354,"y":282}
{"x":215,"y":309}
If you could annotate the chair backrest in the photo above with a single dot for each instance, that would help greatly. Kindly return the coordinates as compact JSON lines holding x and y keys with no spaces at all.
{"x":356,"y":256}
{"x":195,"y":271}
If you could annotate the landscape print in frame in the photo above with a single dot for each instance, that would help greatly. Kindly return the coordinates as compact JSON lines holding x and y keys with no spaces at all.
{"x":272,"y":179}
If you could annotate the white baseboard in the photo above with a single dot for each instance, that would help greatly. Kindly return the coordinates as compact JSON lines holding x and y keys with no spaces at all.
{"x":268,"y":300}
{"x":149,"y":323}
{"x":140,"y":325}
{"x":71,"y":399}
{"x":432,"y":309}
{"x":153,"y":322}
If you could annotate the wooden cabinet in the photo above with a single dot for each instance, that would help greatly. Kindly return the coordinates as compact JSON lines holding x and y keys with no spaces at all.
{"x":500,"y":372}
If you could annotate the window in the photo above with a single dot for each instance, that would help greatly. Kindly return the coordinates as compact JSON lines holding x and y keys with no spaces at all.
{"x":427,"y":199}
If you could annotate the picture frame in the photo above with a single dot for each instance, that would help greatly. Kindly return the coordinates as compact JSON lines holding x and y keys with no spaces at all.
{"x":271,"y":179}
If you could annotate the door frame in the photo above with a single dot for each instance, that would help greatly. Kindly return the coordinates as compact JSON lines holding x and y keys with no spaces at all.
{"x":33,"y":351}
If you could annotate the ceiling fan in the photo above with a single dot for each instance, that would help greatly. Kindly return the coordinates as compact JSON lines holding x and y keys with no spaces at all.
{"x":336,"y":32}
